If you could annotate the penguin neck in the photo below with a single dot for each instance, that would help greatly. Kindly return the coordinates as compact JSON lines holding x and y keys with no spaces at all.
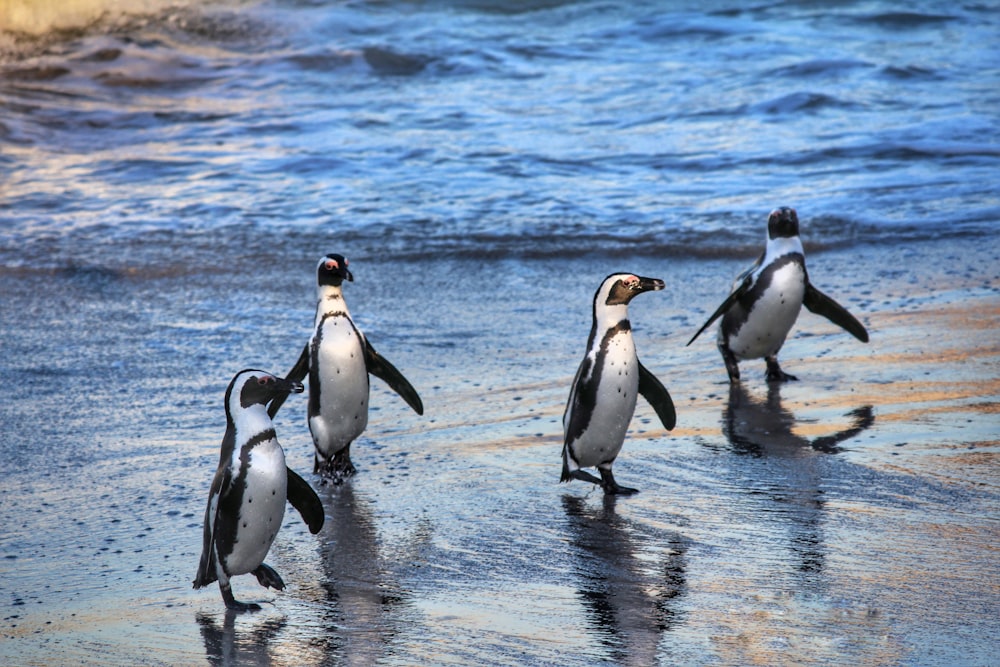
{"x":610,"y":317}
{"x":782,"y":246}
{"x":250,"y":422}
{"x":330,"y":299}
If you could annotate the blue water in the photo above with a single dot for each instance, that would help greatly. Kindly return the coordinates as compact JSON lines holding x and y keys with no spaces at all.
{"x":169,"y":178}
{"x":492,"y":129}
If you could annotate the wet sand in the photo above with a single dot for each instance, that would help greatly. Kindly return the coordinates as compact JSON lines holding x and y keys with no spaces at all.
{"x":848,"y":518}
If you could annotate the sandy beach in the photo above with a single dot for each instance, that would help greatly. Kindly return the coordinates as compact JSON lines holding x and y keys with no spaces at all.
{"x":847,"y":518}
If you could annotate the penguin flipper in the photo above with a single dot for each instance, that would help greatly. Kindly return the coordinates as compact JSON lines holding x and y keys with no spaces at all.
{"x":206,"y":568}
{"x":657,"y":395}
{"x":304,"y":499}
{"x":380,"y":367}
{"x":298,"y":372}
{"x":821,"y":304}
{"x":582,"y":399}
{"x":728,"y":303}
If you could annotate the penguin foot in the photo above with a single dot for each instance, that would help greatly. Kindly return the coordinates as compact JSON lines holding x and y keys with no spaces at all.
{"x":732,"y":367}
{"x":232,"y":603}
{"x":618,"y":490}
{"x":583,"y":476}
{"x":268,"y":578}
{"x":613,"y":488}
{"x":337,"y":469}
{"x":775,"y":374}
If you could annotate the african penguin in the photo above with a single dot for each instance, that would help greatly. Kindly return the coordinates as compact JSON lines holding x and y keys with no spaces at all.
{"x":766,"y":299}
{"x":338,"y":359}
{"x":603,"y":397}
{"x":246,"y":503}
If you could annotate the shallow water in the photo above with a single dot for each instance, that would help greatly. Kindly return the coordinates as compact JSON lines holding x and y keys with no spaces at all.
{"x":142,"y":140}
{"x":171,"y":178}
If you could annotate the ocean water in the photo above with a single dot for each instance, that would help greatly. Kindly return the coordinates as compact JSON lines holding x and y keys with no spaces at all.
{"x":171,"y":171}
{"x":163,"y":136}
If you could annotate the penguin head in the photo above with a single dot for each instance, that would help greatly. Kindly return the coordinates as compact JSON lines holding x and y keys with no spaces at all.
{"x":332,"y":270}
{"x":783,"y":223}
{"x":620,"y":288}
{"x":256,"y":387}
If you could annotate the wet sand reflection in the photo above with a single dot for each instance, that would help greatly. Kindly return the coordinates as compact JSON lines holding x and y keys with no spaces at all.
{"x":364,"y":601}
{"x":630,"y":578}
{"x":225,"y":647}
{"x":765,"y":429}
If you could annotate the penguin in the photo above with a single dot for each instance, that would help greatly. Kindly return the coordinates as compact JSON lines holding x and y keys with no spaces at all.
{"x":246,"y":503}
{"x":338,"y":359}
{"x":766,"y":299}
{"x":603,"y":397}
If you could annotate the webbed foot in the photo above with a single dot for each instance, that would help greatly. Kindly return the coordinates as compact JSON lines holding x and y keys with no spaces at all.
{"x":774,"y":372}
{"x":232,"y":603}
{"x":584,"y":476}
{"x":613,"y":488}
{"x":337,"y":469}
{"x":732,"y":367}
{"x":268,"y":578}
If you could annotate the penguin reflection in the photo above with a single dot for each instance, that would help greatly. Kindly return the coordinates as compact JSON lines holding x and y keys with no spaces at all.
{"x":630,"y":598}
{"x":224,"y":647}
{"x":364,"y":600}
{"x":765,"y":429}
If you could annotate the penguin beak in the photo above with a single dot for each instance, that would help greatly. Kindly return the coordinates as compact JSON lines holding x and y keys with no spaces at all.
{"x":650,"y":285}
{"x":343,"y":273}
{"x":288,"y":387}
{"x":333,"y":271}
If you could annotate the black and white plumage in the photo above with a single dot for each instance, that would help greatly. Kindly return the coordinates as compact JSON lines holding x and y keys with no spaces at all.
{"x":246,"y":503}
{"x":338,"y":359}
{"x":602,"y":400}
{"x":766,"y":299}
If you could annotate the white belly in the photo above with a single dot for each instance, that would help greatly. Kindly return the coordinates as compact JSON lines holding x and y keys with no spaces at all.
{"x":263,"y":508}
{"x":772,"y":316}
{"x":616,"y":397}
{"x":342,"y":413}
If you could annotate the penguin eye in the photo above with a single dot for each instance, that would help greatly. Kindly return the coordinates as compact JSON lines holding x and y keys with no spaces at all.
{"x":331,"y":264}
{"x":265,"y":380}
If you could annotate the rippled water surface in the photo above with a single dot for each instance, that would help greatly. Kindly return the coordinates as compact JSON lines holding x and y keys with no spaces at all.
{"x":493,"y":128}
{"x":170,"y":172}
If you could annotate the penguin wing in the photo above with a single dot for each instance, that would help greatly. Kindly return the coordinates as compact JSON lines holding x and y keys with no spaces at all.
{"x":653,"y":391}
{"x":821,"y":304}
{"x":380,"y":367}
{"x":220,"y":484}
{"x":730,"y":300}
{"x":298,"y":372}
{"x":304,"y":499}
{"x":582,"y":399}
